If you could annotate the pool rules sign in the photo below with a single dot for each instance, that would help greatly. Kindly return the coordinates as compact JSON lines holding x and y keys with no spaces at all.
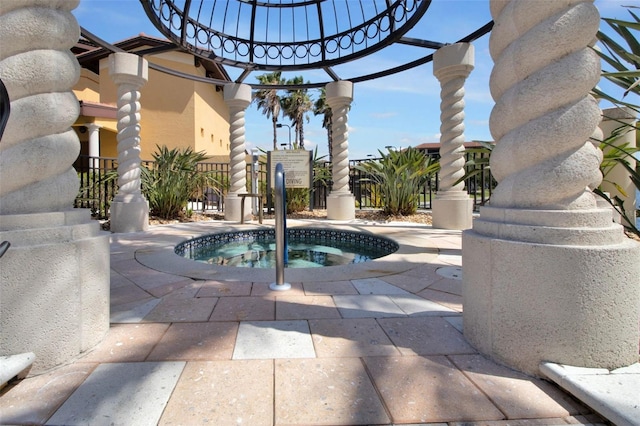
{"x":297,"y":167}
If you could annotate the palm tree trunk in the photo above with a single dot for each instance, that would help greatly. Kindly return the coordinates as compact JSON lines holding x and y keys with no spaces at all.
{"x":301,"y":134}
{"x":274,"y":120}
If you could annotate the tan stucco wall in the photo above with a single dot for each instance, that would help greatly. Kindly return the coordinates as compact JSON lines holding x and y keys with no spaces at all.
{"x":88,"y":86}
{"x":108,"y":144}
{"x":211,"y":121}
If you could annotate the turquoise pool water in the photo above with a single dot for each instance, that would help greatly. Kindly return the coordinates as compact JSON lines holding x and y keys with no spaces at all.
{"x":307,"y":248}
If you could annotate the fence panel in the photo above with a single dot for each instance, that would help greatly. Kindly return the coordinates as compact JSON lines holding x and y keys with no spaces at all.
{"x":98,"y":185}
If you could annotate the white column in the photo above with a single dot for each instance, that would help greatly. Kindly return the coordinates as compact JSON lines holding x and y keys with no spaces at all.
{"x":54,"y":278}
{"x":547,"y":275}
{"x":94,"y":139}
{"x":340,"y":201}
{"x":129,"y":209}
{"x":452,"y":208}
{"x":612,"y":120}
{"x":238,"y":98}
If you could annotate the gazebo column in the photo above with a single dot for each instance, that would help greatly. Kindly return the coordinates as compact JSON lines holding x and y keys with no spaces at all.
{"x":94,"y":144}
{"x":238,"y":98}
{"x":129,"y":209}
{"x":340,"y":201}
{"x":612,"y":119}
{"x":94,"y":139}
{"x":54,"y":278}
{"x":452,"y":208}
{"x":547,"y":275}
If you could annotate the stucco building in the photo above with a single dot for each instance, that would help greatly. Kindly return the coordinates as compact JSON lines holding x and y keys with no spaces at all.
{"x":176,"y":112}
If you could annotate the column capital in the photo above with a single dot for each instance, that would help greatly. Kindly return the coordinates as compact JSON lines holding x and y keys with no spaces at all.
{"x":93,"y":126}
{"x":237,"y":95}
{"x":339,"y":91}
{"x":454,"y":60}
{"x":128,"y":68}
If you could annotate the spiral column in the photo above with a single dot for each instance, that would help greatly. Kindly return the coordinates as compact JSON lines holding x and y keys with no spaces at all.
{"x":129,"y":209}
{"x":452,"y":208}
{"x":237,"y":98}
{"x":54,"y":278}
{"x":340,"y":202}
{"x":547,"y":275}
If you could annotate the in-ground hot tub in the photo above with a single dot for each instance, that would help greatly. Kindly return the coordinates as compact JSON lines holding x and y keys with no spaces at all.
{"x":306,"y":248}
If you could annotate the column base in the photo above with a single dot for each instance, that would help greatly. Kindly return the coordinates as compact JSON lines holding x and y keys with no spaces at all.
{"x":233,"y":207}
{"x":452,"y":211}
{"x":129,"y":215}
{"x":54,"y":282}
{"x":526,"y":302}
{"x":341,"y":206}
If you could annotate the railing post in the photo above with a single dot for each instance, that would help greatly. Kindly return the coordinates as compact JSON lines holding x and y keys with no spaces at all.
{"x":281,"y":230}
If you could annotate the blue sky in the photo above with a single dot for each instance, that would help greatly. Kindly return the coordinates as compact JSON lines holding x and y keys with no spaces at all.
{"x":399,"y":110}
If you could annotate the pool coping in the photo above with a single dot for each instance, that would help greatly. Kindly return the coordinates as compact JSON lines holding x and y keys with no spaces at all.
{"x":414,"y":250}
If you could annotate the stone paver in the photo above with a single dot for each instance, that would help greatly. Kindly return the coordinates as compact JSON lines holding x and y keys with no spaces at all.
{"x":417,"y":306}
{"x":356,"y":337}
{"x":326,"y":392}
{"x":425,"y":336}
{"x":537,"y":397}
{"x":127,"y":343}
{"x":305,"y":307}
{"x":181,"y":310}
{"x":244,"y":309}
{"x":329,"y":288}
{"x":133,"y":312}
{"x":448,"y":285}
{"x":451,"y":301}
{"x":35,"y":399}
{"x":367,"y":306}
{"x":196,"y":341}
{"x":224,"y":289}
{"x":428,"y":389}
{"x":236,"y":392}
{"x":273,"y":339}
{"x":376,"y":286}
{"x":121,"y":393}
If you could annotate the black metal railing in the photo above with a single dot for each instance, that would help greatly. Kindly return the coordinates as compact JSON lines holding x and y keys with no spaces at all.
{"x":98,"y":185}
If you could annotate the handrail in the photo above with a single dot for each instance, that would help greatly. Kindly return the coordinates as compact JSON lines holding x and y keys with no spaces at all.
{"x":281,"y":230}
{"x":5,"y":107}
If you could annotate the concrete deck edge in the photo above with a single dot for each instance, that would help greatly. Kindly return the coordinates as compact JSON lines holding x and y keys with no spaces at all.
{"x":604,"y":391}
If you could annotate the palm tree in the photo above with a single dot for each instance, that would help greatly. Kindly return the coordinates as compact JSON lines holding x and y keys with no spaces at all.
{"x":321,"y":107}
{"x":296,"y":105}
{"x":268,"y":100}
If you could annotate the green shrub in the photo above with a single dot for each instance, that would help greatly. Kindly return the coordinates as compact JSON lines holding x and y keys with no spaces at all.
{"x":400,"y":175}
{"x":173,"y":179}
{"x":622,"y":60}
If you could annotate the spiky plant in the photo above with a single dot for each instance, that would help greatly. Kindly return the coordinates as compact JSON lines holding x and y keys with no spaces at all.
{"x":400,"y":175}
{"x":173,"y":180}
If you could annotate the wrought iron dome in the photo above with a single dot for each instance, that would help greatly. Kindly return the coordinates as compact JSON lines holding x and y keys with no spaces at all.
{"x":291,"y":35}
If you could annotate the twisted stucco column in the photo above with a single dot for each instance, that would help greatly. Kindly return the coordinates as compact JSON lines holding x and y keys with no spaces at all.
{"x":547,"y":275}
{"x":452,"y":207}
{"x":129,"y":210}
{"x":340,"y":202}
{"x":54,"y":278}
{"x":39,"y":71}
{"x":238,"y":98}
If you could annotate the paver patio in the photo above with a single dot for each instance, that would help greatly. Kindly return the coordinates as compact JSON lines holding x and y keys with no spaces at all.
{"x":361,"y":345}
